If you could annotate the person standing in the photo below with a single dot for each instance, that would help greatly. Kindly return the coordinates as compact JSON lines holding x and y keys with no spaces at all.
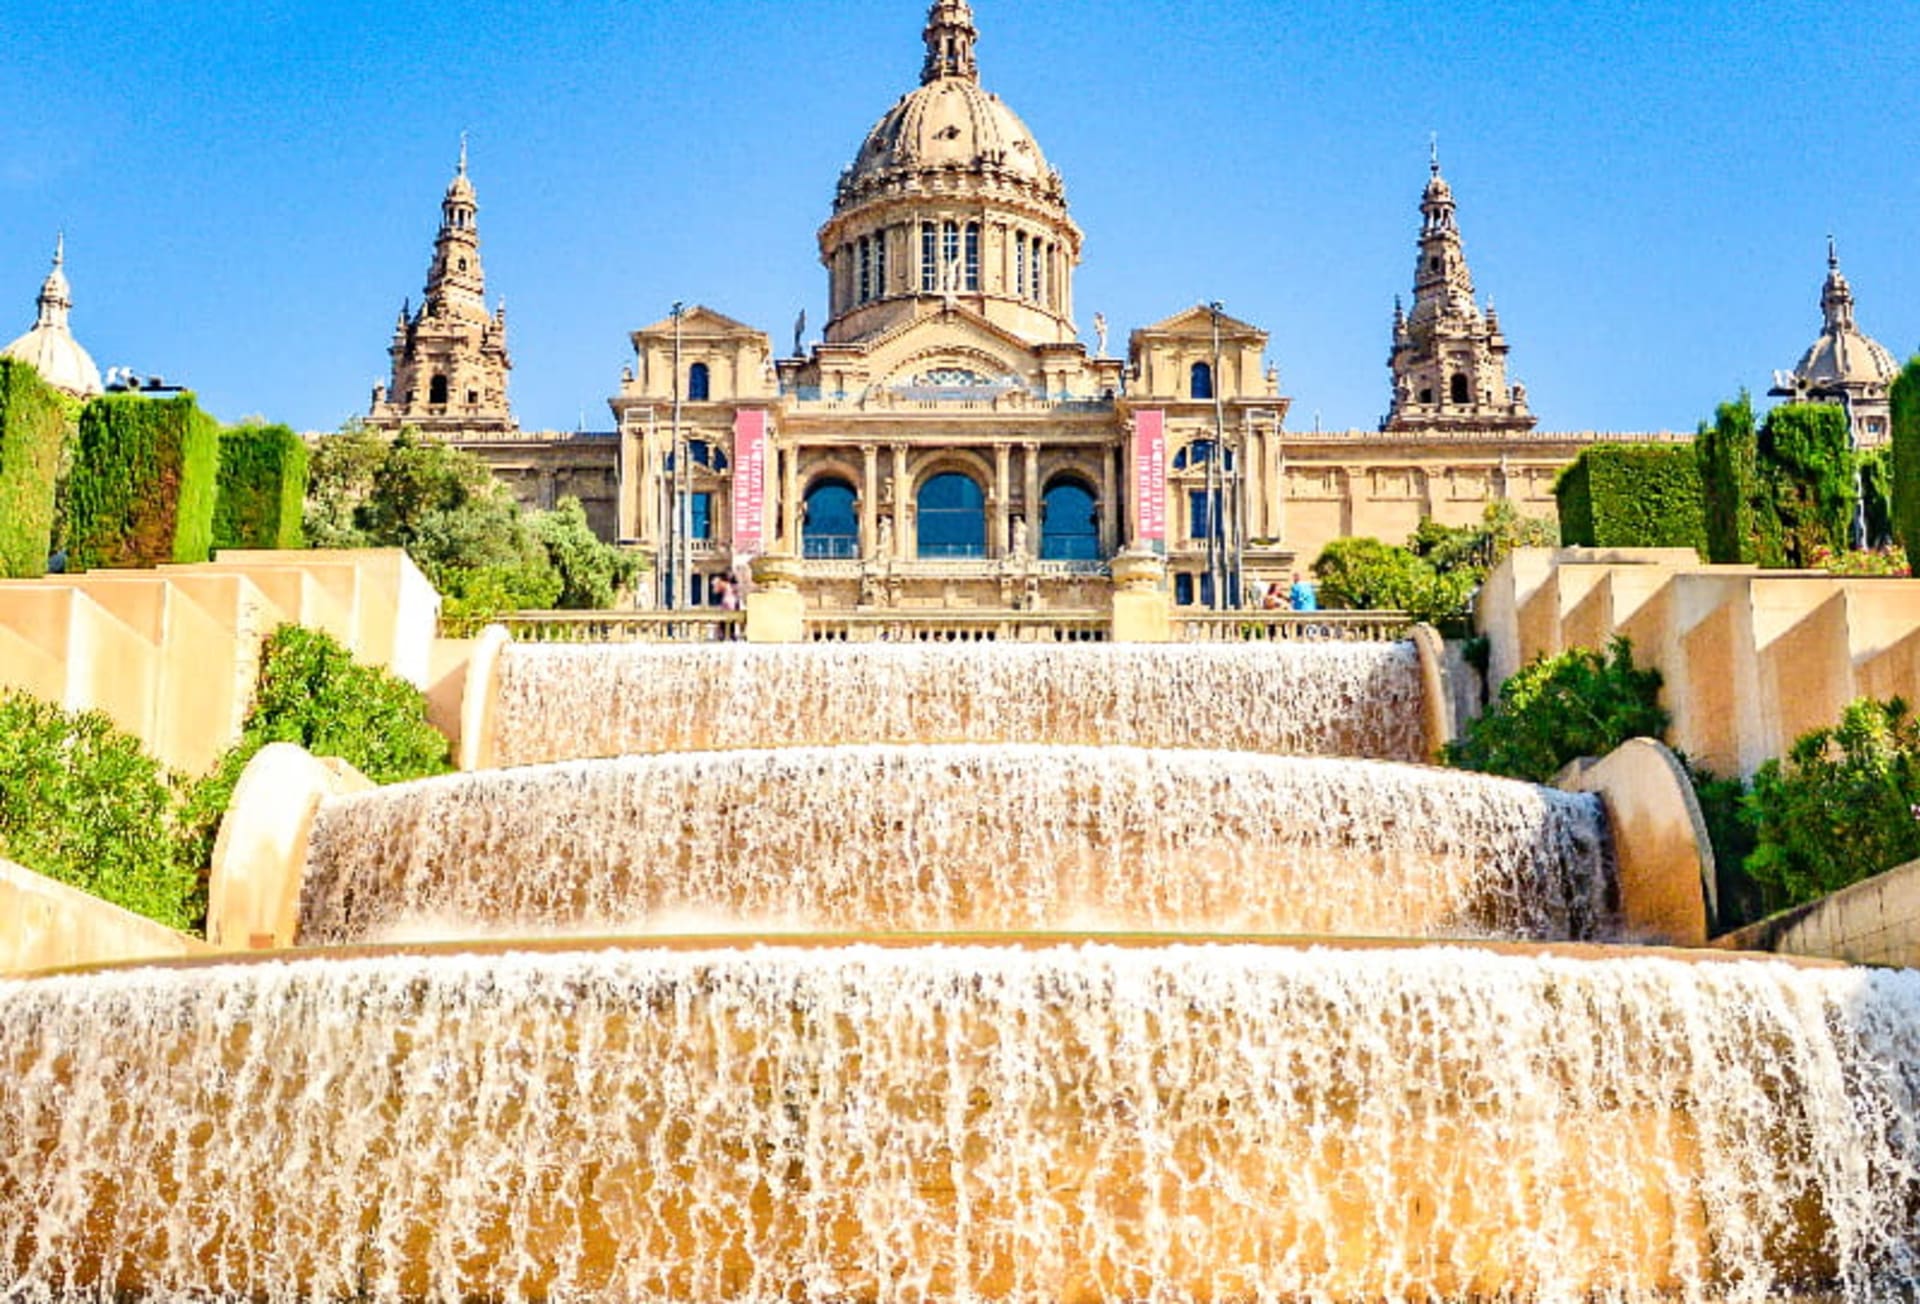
{"x":1302,"y":595}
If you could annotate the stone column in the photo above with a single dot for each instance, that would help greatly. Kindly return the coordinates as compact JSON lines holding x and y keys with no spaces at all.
{"x":900,"y":492}
{"x":1109,"y":504}
{"x":869,"y":499}
{"x":1002,"y":543}
{"x":1030,"y":460}
{"x":790,"y":500}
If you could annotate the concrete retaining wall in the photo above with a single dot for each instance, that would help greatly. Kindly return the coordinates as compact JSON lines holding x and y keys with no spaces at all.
{"x":46,"y":924}
{"x":1874,"y":922}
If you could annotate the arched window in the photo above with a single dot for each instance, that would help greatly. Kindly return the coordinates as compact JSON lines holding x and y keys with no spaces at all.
{"x":929,"y":259}
{"x":699,"y":383}
{"x":1198,"y":454}
{"x":437,"y":391}
{"x":949,"y":252}
{"x":880,"y":265}
{"x":701,"y":453}
{"x":973,"y":255}
{"x":1460,"y":394}
{"x":1201,"y":384}
{"x":830,"y":528}
{"x":953,"y":517}
{"x":1069,"y":529}
{"x":1426,"y":395}
{"x":865,"y":260}
{"x":1020,"y":263}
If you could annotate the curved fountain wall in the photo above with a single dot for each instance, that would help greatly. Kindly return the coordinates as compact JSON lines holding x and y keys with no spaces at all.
{"x":1324,"y":699}
{"x":1075,"y":1124}
{"x":960,"y":838}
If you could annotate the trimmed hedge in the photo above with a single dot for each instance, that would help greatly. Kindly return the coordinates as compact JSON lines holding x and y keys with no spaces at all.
{"x":33,"y":425}
{"x":263,"y":488}
{"x":1905,"y":399}
{"x":1632,"y":496}
{"x":144,"y":481}
{"x":1806,"y":461}
{"x":1728,"y":454}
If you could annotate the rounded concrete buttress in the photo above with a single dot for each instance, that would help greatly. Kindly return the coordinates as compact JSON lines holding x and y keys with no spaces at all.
{"x":260,"y":859}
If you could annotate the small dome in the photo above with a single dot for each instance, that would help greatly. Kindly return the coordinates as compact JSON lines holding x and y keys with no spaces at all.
{"x":950,"y":123}
{"x":49,"y":348}
{"x":1843,"y":356}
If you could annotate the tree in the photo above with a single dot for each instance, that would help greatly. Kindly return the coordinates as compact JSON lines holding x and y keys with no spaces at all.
{"x":1905,"y":398}
{"x":591,"y":573}
{"x":1363,"y":574}
{"x":1728,"y":451}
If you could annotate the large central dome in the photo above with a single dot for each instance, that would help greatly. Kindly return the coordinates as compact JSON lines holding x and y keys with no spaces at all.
{"x":949,"y":202}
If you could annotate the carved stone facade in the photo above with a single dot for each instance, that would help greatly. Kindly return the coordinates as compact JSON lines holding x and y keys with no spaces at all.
{"x":950,"y":442}
{"x":1845,"y":365}
{"x":1449,"y":359}
{"x":449,"y":358}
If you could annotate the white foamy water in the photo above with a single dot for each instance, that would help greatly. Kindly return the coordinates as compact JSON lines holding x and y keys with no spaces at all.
{"x":961,"y":838}
{"x":1325,"y":699}
{"x":898,"y":1126}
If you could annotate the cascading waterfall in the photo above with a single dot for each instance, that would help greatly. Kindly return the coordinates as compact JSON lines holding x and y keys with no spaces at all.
{"x":1325,"y":699}
{"x":960,"y":838}
{"x":1064,"y":1124}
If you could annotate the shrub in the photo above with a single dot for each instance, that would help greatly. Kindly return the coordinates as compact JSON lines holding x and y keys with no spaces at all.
{"x":312,"y":692}
{"x":1727,"y":455}
{"x":263,"y":488}
{"x":32,"y":428}
{"x":1632,"y":496}
{"x":591,"y":572}
{"x":1843,"y":805}
{"x":82,"y":803}
{"x":1904,"y":398}
{"x":1557,"y":709}
{"x":143,"y":483}
{"x":1876,"y":496}
{"x":1806,"y":464}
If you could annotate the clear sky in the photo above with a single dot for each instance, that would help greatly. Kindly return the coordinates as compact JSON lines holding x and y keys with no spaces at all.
{"x":250,"y":187}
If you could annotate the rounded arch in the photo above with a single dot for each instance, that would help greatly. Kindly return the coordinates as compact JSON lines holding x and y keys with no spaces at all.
{"x":950,"y":513}
{"x":1461,"y":393}
{"x":699,"y":383}
{"x":1196,"y":454}
{"x":1201,"y":381}
{"x":1069,"y":519}
{"x":908,"y":368}
{"x":830,"y":519}
{"x":437,"y":391}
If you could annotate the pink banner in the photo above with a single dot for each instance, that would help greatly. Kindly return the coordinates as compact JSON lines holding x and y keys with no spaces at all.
{"x":1150,"y":474}
{"x":749,"y":483}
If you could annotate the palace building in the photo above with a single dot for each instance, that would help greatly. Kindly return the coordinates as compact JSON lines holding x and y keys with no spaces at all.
{"x":952,"y":440}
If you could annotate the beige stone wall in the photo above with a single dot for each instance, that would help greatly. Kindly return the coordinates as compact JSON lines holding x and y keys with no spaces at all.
{"x":171,"y":654}
{"x":1750,"y":659}
{"x":1874,"y":922}
{"x":45,"y":925}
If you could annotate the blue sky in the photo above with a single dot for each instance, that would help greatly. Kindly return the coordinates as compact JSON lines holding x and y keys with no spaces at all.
{"x":251,"y":187}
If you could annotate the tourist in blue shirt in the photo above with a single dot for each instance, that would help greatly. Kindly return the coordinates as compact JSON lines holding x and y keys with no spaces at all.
{"x":1302,"y":596}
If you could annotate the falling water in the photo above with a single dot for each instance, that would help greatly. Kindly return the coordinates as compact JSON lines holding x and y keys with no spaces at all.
{"x":1325,"y":699}
{"x":960,"y":838}
{"x":897,"y":1125}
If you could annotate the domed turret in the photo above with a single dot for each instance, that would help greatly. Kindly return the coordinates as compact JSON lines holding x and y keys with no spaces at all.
{"x":950,"y":199}
{"x":1844,"y":365}
{"x":50,"y":347}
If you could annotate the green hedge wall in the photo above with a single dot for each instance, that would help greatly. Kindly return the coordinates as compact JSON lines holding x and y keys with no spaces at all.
{"x":1632,"y":496}
{"x":1905,"y":397}
{"x":32,"y":426}
{"x":263,"y":488}
{"x":143,"y":484}
{"x":1806,"y":459}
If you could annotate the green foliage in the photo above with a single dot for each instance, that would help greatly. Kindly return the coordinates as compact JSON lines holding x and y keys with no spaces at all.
{"x":1905,"y":399}
{"x":1843,"y":805}
{"x":478,"y":547}
{"x":1806,"y":469}
{"x":1362,"y":574}
{"x":1876,"y":493}
{"x":1885,"y":562}
{"x":81,"y":803}
{"x":32,"y":429}
{"x":1727,"y":453}
{"x":591,"y":572}
{"x":1632,"y":496}
{"x":143,"y":483}
{"x":312,"y":692}
{"x":263,"y":488}
{"x":1557,"y":709}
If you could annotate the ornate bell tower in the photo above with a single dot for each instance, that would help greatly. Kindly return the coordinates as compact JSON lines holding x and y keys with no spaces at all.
{"x":1449,"y":360}
{"x":450,"y":359}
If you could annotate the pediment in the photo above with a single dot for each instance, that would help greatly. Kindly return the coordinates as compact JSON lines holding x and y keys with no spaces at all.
{"x":702,"y":320}
{"x":951,"y":348}
{"x":1198,"y":320}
